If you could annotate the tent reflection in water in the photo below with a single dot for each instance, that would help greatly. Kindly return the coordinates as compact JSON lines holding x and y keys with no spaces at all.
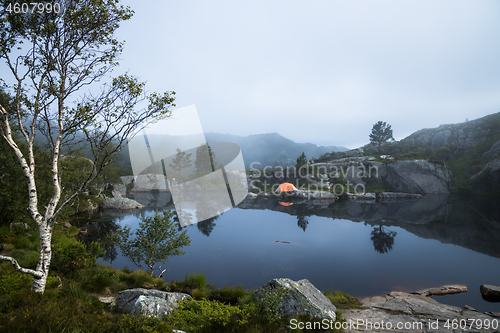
{"x":285,"y":187}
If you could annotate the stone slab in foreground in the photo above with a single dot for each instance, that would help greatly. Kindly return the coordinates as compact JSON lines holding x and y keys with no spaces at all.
{"x":403,"y":312}
{"x":126,"y":299}
{"x":443,"y":290}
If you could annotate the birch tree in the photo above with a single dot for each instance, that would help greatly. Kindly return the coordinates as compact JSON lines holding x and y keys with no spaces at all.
{"x":57,"y":66}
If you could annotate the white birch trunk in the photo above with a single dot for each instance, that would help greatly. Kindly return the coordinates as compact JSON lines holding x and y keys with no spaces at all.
{"x":44,"y":258}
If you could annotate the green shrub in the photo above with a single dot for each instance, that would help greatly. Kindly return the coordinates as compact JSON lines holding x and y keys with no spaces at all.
{"x":199,"y":294}
{"x":22,"y":242}
{"x":26,"y":258}
{"x":99,"y":277}
{"x":140,"y":278}
{"x":194,"y":281}
{"x":342,"y":300}
{"x":132,"y":324}
{"x":12,"y":281}
{"x":76,"y":292}
{"x":207,"y":316}
{"x":233,"y":294}
{"x":70,"y":255}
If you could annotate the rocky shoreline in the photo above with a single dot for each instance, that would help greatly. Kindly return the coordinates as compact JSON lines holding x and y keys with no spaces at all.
{"x":395,"y":312}
{"x":410,"y":312}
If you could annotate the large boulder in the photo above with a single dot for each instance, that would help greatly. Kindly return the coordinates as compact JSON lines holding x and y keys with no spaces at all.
{"x":418,"y":176}
{"x":295,"y":297}
{"x":155,"y":306}
{"x":120,"y":203}
{"x":126,"y":299}
{"x":490,"y":291}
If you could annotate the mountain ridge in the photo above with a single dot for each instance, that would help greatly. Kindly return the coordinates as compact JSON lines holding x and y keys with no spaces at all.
{"x":271,"y":149}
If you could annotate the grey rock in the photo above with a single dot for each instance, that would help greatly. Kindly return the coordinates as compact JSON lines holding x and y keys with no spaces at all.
{"x":126,"y":299}
{"x":489,"y":290}
{"x":493,"y":151}
{"x":418,"y":176}
{"x":418,"y":311}
{"x":109,"y":301}
{"x":296,"y":297}
{"x":443,"y":290}
{"x":493,"y":170}
{"x":311,"y":195}
{"x":21,"y":225}
{"x":362,"y":196}
{"x":151,"y":306}
{"x":118,"y":190}
{"x":120,"y":203}
{"x":127,"y":180}
{"x":398,"y":195}
{"x":150,"y":182}
{"x":459,"y":137}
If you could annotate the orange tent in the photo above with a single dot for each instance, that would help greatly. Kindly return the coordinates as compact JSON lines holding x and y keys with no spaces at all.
{"x":285,"y":187}
{"x":286,"y":203}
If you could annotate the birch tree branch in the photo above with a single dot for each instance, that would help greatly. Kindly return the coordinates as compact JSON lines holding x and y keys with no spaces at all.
{"x":20,"y":269}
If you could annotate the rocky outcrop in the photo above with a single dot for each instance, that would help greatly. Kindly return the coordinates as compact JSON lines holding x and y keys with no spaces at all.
{"x":117,"y":190}
{"x":310,"y":195}
{"x":295,"y":297}
{"x":443,"y":290}
{"x":398,"y":195}
{"x":418,"y":176}
{"x":153,"y":302}
{"x":152,"y":306}
{"x":492,"y":170}
{"x":490,"y":291}
{"x":126,"y":299}
{"x":458,"y":137}
{"x":120,"y":203}
{"x":361,"y":196}
{"x":414,"y":176}
{"x":403,"y":312}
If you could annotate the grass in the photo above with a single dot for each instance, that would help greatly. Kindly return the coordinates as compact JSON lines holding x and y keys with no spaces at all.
{"x":69,"y":303}
{"x":342,"y":300}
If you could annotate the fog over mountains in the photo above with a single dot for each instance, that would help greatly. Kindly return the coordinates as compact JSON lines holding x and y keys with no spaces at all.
{"x":271,"y":149}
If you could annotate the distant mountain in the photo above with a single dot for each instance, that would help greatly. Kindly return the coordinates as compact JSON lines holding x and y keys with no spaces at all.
{"x":271,"y":149}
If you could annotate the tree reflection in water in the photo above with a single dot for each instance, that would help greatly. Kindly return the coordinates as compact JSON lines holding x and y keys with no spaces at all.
{"x":382,"y":240}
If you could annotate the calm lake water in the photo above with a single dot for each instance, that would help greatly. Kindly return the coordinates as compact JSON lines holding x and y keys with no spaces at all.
{"x":363,"y":248}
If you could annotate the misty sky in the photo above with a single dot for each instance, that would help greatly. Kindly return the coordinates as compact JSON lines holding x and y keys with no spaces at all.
{"x":319,"y":71}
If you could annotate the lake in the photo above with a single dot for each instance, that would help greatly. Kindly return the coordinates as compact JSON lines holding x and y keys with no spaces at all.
{"x":360,"y":247}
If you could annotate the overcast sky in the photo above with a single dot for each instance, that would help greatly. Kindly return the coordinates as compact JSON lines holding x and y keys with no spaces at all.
{"x":319,"y":71}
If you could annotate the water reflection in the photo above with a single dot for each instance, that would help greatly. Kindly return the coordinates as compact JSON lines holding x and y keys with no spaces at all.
{"x":206,"y":227}
{"x":339,"y":245}
{"x":302,"y":222}
{"x":382,"y":239}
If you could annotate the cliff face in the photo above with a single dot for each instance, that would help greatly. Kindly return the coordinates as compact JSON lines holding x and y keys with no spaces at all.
{"x":458,"y":137}
{"x":416,"y":176}
{"x":470,"y":149}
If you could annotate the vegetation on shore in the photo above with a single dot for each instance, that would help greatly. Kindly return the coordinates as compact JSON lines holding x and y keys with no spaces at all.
{"x":70,"y":302}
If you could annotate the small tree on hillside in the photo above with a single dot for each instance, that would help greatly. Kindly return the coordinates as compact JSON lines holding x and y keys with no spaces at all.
{"x":156,"y":239}
{"x":381,"y":133}
{"x":49,"y":61}
{"x":301,"y":160}
{"x":181,"y":161}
